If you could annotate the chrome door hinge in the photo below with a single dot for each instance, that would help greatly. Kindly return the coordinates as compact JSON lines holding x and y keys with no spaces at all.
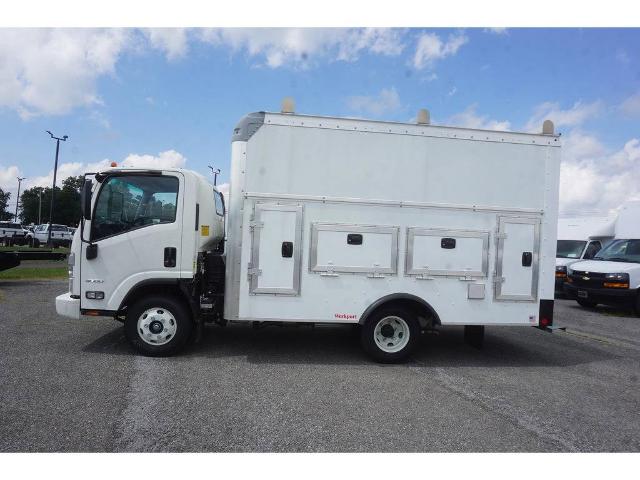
{"x":251,"y":271}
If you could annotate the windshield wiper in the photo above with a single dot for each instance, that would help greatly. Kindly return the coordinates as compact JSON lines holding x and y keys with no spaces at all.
{"x":619,"y":259}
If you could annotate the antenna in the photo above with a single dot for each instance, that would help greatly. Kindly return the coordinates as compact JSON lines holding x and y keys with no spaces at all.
{"x":214,"y":172}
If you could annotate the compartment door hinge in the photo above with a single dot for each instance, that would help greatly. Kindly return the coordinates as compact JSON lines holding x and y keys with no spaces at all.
{"x":251,"y":271}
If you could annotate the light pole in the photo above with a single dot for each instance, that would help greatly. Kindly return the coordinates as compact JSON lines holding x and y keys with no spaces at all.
{"x":214,"y":172}
{"x":55,"y":172}
{"x":40,"y":206}
{"x":18,"y":197}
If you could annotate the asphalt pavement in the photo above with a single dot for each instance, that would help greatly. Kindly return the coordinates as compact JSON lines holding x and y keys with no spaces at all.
{"x":76,"y":385}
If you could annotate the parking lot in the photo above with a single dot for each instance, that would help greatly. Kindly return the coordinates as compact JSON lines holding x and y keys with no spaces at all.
{"x":70,"y":385}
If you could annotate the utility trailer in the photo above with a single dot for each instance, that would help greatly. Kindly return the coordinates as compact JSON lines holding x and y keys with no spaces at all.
{"x":394,"y":227}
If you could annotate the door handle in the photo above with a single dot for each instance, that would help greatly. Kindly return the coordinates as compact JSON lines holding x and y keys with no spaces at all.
{"x":287,"y":249}
{"x":170,"y":254}
{"x":527,"y":259}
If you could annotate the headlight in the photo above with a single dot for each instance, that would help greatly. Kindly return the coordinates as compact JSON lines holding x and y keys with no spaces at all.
{"x":618,"y":277}
{"x":616,"y":280}
{"x":561,"y":271}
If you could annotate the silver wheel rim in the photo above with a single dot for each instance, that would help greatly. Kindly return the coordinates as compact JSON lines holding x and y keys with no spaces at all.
{"x":391,"y":334}
{"x":157,"y":326}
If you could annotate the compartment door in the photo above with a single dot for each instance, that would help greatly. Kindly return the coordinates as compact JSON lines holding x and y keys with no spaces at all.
{"x":276,"y":249}
{"x":517,"y":259}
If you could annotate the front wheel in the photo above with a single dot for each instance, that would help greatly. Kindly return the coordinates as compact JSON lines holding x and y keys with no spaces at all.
{"x":158,"y":325}
{"x":390,"y":334}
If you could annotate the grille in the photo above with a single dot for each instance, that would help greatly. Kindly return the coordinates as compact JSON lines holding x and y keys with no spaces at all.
{"x":587,"y":279}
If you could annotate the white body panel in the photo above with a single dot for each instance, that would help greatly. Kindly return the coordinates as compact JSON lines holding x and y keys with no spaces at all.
{"x":586,"y":229}
{"x":403,"y":188}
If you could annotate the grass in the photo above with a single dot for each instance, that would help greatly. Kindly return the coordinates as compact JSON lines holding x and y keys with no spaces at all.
{"x":31,"y":273}
{"x":30,"y":249}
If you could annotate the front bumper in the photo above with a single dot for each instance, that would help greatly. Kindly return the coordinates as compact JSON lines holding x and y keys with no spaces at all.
{"x":68,"y":306}
{"x":607,"y":296}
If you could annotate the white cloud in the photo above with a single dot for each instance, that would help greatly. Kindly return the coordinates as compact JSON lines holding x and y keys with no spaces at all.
{"x":431,"y":48}
{"x":172,"y":41}
{"x":497,"y":30}
{"x":224,"y":189}
{"x":52,"y":71}
{"x":386,"y":101}
{"x":469,"y":118}
{"x":452,"y":91}
{"x":167,"y":159}
{"x":302,"y":47}
{"x":631,"y":105}
{"x":594,"y":180}
{"x":623,"y":57}
{"x":572,"y":117}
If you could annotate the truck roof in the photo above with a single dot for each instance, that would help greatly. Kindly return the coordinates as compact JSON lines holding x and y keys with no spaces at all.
{"x":250,"y":123}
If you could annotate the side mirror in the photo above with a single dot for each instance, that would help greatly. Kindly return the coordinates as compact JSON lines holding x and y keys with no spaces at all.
{"x":85,"y":199}
{"x":92,"y":251}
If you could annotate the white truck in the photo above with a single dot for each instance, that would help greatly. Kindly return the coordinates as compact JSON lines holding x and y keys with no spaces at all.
{"x":391,"y":226}
{"x":12,"y":233}
{"x":579,"y":238}
{"x":612,"y":277}
{"x":61,"y":235}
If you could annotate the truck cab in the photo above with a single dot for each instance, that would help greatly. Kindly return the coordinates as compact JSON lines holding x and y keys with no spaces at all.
{"x":612,"y":276}
{"x":140,"y":246}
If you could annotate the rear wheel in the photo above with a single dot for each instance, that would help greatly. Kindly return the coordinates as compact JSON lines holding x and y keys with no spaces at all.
{"x":158,"y":325}
{"x":390,"y":334}
{"x":586,"y":303}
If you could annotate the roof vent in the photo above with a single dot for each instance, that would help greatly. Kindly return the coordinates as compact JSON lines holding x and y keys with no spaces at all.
{"x":423,"y":117}
{"x":288,"y":105}
{"x":547,"y":127}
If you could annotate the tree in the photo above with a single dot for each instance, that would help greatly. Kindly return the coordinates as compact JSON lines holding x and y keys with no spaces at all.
{"x":67,"y":207}
{"x":4,"y":203}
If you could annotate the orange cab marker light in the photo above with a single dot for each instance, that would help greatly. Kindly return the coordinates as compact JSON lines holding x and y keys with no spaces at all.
{"x":616,"y":285}
{"x":92,"y":313}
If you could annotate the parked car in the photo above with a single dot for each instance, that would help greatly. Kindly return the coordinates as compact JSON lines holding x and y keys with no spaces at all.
{"x":60,"y":235}
{"x":12,"y":233}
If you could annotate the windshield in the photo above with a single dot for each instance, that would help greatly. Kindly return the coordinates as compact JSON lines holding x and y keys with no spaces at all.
{"x":620,"y":251}
{"x":570,"y":248}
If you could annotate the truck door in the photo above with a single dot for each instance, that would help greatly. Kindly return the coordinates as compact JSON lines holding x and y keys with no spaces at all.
{"x":517,"y":256}
{"x":276,"y":249}
{"x":136,"y":235}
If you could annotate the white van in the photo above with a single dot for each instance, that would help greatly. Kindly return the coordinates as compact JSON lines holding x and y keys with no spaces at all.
{"x":579,"y":238}
{"x":612,"y":277}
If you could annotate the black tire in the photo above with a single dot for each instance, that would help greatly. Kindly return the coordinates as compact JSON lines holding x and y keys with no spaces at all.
{"x":368,"y":334}
{"x":637,"y":305}
{"x":175,"y":308}
{"x":586,"y":303}
{"x":36,"y":242}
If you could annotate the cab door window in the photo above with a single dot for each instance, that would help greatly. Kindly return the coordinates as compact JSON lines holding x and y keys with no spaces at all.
{"x":130,"y":202}
{"x":593,"y":248}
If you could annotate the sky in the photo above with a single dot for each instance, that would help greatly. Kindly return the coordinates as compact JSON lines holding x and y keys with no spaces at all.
{"x":171,"y":97}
